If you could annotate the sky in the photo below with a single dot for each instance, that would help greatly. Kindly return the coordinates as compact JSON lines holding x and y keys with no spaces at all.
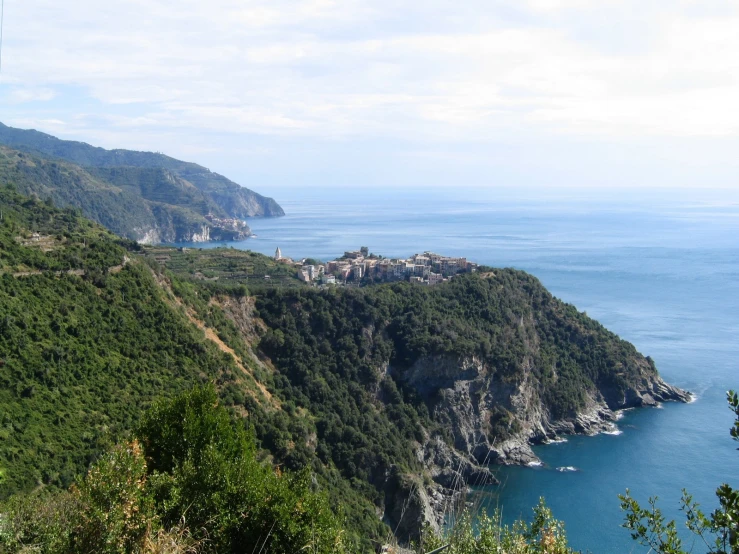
{"x":432,"y":93}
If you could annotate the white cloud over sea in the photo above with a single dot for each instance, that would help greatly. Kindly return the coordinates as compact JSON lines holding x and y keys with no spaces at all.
{"x":375,"y":91}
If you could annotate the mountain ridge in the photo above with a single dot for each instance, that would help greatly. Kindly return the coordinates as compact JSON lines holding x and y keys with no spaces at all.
{"x":169,"y":199}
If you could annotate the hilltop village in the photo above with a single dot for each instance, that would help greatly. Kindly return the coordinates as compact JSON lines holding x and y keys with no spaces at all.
{"x":360,"y":266}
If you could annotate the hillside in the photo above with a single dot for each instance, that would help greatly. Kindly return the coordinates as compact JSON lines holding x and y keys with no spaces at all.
{"x":394,"y":395}
{"x":142,"y":195}
{"x":226,"y":265}
{"x":88,"y":338}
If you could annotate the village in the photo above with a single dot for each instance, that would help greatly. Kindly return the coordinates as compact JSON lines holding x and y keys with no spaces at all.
{"x":359,"y":266}
{"x":228,"y":224}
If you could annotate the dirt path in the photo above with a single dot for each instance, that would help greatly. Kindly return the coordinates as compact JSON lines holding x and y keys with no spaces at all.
{"x":212,"y":336}
{"x":223,"y":347}
{"x":78,"y":272}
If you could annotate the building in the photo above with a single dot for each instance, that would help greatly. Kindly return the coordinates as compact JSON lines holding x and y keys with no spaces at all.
{"x":359,"y":265}
{"x":329,"y":279}
{"x":435,"y":278}
{"x":278,"y":254}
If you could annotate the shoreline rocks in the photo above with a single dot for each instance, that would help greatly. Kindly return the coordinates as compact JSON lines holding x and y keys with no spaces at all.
{"x":462,"y":394}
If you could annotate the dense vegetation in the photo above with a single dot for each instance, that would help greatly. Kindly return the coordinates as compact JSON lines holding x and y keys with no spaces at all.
{"x":82,"y":354}
{"x":37,"y":236}
{"x":226,"y":265}
{"x":189,"y":481}
{"x":342,"y":340}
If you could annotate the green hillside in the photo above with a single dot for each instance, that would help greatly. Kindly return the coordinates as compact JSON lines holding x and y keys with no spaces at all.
{"x":226,"y":265}
{"x":82,"y":351}
{"x":140,"y":204}
{"x":357,"y":385}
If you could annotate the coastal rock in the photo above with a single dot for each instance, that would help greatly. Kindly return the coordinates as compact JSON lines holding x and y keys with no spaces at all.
{"x":171,"y":232}
{"x":464,"y":397}
{"x":409,"y":505}
{"x":451,"y":468}
{"x":650,"y":392}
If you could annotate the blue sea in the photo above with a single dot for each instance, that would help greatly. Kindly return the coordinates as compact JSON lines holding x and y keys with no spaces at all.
{"x":660,"y":268}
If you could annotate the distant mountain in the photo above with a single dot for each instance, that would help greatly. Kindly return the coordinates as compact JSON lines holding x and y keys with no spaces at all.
{"x":141,"y":195}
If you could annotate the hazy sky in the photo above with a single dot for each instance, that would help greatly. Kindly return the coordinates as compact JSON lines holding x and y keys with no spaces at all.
{"x":393,"y":92}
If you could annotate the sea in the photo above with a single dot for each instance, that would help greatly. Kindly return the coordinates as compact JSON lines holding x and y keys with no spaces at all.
{"x":658,"y":267}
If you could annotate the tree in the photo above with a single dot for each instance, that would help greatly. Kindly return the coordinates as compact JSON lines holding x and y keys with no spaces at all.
{"x":719,"y":532}
{"x":203,"y":469}
{"x":191,"y":481}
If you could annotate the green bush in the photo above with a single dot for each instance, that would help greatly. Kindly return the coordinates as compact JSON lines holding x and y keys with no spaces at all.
{"x":719,"y":532}
{"x":204,"y":468}
{"x":486,"y":534}
{"x":194,"y":466}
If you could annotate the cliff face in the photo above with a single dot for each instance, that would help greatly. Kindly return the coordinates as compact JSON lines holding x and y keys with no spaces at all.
{"x":172,"y":229}
{"x":464,"y":397}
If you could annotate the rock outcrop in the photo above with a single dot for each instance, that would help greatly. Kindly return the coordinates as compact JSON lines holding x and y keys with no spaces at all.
{"x":171,"y":232}
{"x":463,"y":396}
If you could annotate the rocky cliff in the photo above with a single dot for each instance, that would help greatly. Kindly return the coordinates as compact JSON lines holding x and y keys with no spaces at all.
{"x":464,"y":397}
{"x":168,"y":232}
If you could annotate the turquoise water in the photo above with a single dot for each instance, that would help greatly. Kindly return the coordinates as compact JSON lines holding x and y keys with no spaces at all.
{"x":661,"y":270}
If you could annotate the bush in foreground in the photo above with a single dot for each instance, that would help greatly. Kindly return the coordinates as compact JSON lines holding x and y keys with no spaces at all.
{"x":486,"y":534}
{"x":719,"y":532}
{"x":190,"y":482}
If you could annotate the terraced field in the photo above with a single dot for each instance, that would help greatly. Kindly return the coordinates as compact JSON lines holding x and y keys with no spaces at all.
{"x":224,"y":265}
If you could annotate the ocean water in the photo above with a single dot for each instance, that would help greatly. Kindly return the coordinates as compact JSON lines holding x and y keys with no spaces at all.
{"x":659,"y":268}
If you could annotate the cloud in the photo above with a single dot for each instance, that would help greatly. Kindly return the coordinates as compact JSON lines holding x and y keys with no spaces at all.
{"x":435,"y":72}
{"x":21,"y":95}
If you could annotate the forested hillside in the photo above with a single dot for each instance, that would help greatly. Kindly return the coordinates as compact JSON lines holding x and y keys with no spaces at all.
{"x":87,"y":340}
{"x":91,"y":334}
{"x":392,"y":395}
{"x":235,"y":200}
